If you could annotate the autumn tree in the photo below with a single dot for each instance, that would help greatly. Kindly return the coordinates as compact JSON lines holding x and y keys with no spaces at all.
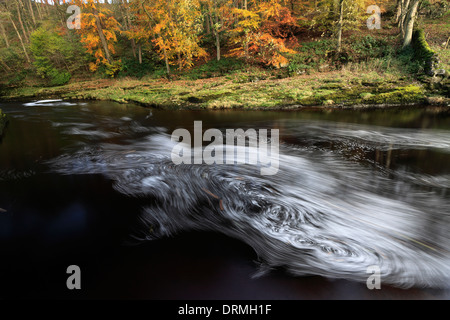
{"x":215,"y":13}
{"x":98,"y":31}
{"x":173,"y":27}
{"x":127,"y":26}
{"x":277,"y":28}
{"x":337,"y":16}
{"x":245,"y":30}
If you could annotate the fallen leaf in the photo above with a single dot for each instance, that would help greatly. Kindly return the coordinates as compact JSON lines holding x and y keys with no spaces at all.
{"x":210,"y":193}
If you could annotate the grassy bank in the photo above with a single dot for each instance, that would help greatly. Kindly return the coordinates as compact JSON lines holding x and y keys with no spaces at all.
{"x":247,"y":91}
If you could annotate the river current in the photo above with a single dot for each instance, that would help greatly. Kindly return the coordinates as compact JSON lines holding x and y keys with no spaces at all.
{"x":352,"y":192}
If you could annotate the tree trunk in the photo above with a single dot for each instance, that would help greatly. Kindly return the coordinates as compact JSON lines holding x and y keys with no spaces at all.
{"x":38,"y":10}
{"x":140,"y":53}
{"x":20,"y":39}
{"x":166,"y":60}
{"x":32,"y":12}
{"x":409,"y":22}
{"x":28,"y":24}
{"x":21,"y":22}
{"x":405,"y":6}
{"x":208,"y":24}
{"x":5,"y":37}
{"x":216,"y":31}
{"x":180,"y":64}
{"x":102,"y":37}
{"x":4,"y":65}
{"x":127,"y":22}
{"x":247,"y":40}
{"x":398,"y":11}
{"x":340,"y":26}
{"x":45,"y":7}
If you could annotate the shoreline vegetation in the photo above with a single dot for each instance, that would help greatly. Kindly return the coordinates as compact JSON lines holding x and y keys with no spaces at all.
{"x":323,"y":90}
{"x":258,"y":55}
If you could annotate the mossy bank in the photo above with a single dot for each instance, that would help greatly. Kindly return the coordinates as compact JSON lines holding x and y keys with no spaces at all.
{"x":325,"y":90}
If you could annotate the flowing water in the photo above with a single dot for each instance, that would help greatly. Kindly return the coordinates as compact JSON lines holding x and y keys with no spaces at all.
{"x":85,"y":182}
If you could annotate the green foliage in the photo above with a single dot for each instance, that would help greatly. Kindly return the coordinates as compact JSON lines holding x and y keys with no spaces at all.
{"x":407,"y":61}
{"x":310,"y":55}
{"x":214,"y":68}
{"x":132,"y":68}
{"x":51,"y":54}
{"x":113,"y":69}
{"x":368,"y":47}
{"x":159,"y":73}
{"x":435,"y":9}
{"x":17,"y":78}
{"x":296,"y":67}
{"x":58,"y":78}
{"x":13,"y":58}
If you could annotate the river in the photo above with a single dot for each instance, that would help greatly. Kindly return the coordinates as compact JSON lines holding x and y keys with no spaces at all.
{"x":92,"y":184}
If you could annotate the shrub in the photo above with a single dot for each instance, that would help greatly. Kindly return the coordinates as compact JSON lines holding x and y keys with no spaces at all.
{"x":58,"y":78}
{"x":132,"y":68}
{"x":408,"y":62}
{"x":368,"y":47}
{"x":113,"y":69}
{"x":309,"y":55}
{"x":214,"y":68}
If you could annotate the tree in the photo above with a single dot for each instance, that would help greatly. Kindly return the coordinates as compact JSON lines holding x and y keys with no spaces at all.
{"x":174,"y":27}
{"x":6,"y":13}
{"x":214,"y":13}
{"x":245,"y":30}
{"x":98,"y":31}
{"x":148,"y":23}
{"x":51,"y":53}
{"x":126,"y":18}
{"x":5,"y":37}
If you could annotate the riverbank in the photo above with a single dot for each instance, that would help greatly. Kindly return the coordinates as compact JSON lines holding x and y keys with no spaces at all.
{"x":246,"y":91}
{"x":3,"y":121}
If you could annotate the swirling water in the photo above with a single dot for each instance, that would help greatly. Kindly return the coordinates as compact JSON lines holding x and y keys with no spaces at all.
{"x":348,"y":194}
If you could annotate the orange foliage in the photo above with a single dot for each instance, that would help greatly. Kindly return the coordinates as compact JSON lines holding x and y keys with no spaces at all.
{"x":90,"y":33}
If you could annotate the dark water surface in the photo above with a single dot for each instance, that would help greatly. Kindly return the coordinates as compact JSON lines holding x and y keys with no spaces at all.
{"x":92,"y":184}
